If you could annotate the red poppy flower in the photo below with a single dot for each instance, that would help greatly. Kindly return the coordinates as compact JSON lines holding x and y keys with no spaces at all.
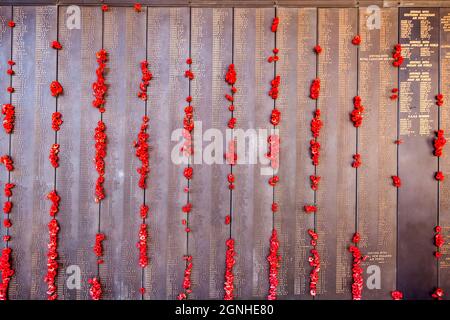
{"x":273,"y":180}
{"x":137,"y":7}
{"x":55,"y":88}
{"x":188,"y":172}
{"x":105,"y":8}
{"x":396,"y":181}
{"x":275,"y":23}
{"x":11,"y":24}
{"x":397,"y":295}
{"x":356,"y":40}
{"x":56,"y":45}
{"x":318,"y":49}
{"x":439,"y":176}
{"x":438,"y":294}
{"x":310,"y":208}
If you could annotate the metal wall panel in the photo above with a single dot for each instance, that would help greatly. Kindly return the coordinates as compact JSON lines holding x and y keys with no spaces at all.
{"x":167,"y":36}
{"x":377,"y":210}
{"x":336,"y":194}
{"x":418,"y":197}
{"x":444,"y":198}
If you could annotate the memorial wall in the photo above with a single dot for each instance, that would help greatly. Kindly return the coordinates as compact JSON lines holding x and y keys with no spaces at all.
{"x":136,"y":218}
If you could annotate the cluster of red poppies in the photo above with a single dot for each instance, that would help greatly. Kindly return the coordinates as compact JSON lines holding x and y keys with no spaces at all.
{"x":273,"y":150}
{"x":274,"y":264}
{"x":188,"y":121}
{"x":56,"y":121}
{"x":440,"y":100}
{"x":316,"y":124}
{"x":314,"y":182}
{"x":275,"y":23}
{"x":53,"y":228}
{"x":229,"y":276}
{"x":142,"y":245}
{"x":274,"y":57}
{"x":7,"y":206}
{"x":314,"y":147}
{"x":142,"y":148}
{"x":99,"y":87}
{"x":145,"y":80}
{"x":356,"y":160}
{"x":394,"y":95}
{"x":100,"y":154}
{"x":95,"y":290}
{"x":438,"y":242}
{"x":314,"y":262}
{"x":144,"y":211}
{"x":7,"y":162}
{"x":274,"y":90}
{"x":439,"y":143}
{"x":396,"y":181}
{"x":187,"y":279}
{"x":357,"y":113}
{"x":9,"y":112}
{"x":7,"y":272}
{"x":397,"y":56}
{"x":54,"y":199}
{"x":52,"y":263}
{"x":358,"y":258}
{"x":314,"y":90}
{"x":53,"y":157}
{"x":230,"y":79}
{"x":98,"y":247}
